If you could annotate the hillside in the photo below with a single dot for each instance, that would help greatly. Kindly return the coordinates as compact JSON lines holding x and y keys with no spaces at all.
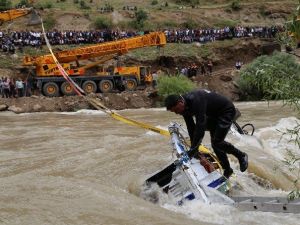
{"x":160,"y":14}
{"x":66,"y":15}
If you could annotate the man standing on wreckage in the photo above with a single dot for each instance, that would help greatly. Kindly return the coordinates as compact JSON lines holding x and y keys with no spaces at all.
{"x":212,"y":112}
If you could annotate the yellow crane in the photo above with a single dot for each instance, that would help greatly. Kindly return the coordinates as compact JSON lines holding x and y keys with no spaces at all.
{"x":52,"y":83}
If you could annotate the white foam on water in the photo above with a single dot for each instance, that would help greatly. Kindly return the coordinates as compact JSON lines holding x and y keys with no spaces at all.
{"x":84,"y":112}
{"x":228,"y":214}
{"x":274,"y":142}
{"x":152,"y":133}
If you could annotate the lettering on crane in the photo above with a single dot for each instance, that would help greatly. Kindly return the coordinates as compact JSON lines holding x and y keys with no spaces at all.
{"x":55,"y":69}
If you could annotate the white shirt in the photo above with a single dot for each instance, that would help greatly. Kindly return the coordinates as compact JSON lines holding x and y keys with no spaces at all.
{"x":19,"y":84}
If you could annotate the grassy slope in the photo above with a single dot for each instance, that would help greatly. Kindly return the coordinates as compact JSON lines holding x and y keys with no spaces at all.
{"x":207,"y":11}
{"x":148,"y":53}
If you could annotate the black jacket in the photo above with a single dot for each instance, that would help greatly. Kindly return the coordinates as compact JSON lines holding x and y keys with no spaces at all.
{"x":204,"y":104}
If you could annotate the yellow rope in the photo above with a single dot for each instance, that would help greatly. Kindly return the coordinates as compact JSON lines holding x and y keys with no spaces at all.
{"x":98,"y":105}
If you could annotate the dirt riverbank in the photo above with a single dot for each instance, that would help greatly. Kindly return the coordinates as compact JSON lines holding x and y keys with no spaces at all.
{"x":117,"y":101}
{"x":222,"y":82}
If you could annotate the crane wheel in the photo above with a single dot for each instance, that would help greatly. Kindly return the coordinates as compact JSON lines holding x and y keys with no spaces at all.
{"x":51,"y":89}
{"x":89,"y":86}
{"x":131,"y":84}
{"x":67,"y":89}
{"x":105,"y":86}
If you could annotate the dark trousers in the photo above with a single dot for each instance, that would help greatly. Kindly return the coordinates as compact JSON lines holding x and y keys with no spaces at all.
{"x":218,"y":129}
{"x":6,"y":92}
{"x":20,"y":92}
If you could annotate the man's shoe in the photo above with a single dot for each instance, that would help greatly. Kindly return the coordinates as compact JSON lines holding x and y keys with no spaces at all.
{"x":243,"y":162}
{"x":228,"y":173}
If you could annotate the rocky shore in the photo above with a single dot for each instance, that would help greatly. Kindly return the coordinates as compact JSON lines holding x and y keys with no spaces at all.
{"x":116,"y":101}
{"x":222,"y":81}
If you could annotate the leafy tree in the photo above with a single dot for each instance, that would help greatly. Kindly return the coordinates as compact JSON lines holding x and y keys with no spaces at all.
{"x":140,"y":19}
{"x":286,"y":40}
{"x":293,"y":26}
{"x":268,"y":76}
{"x":277,"y":77}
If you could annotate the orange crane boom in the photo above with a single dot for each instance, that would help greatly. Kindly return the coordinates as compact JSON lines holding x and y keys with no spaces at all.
{"x":13,"y":13}
{"x":103,"y":49}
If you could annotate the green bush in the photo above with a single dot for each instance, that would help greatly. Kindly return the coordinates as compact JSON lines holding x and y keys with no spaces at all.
{"x":177,"y":84}
{"x":5,"y":5}
{"x":168,"y":24}
{"x":271,"y":77}
{"x":140,"y":19}
{"x":188,"y":2}
{"x":262,"y":10}
{"x":48,"y":5}
{"x":83,"y":5}
{"x":154,"y":2}
{"x":123,"y":25}
{"x":236,"y":5}
{"x":226,"y":23}
{"x":49,"y":23}
{"x":102,"y":23}
{"x":23,"y":3}
{"x":190,"y":24}
{"x":141,"y":16}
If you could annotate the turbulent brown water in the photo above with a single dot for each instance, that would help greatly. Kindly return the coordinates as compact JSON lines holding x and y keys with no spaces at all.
{"x":86,"y":168}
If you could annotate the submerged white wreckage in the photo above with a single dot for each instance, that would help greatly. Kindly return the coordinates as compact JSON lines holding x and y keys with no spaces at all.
{"x":201,"y":179}
{"x":190,"y":179}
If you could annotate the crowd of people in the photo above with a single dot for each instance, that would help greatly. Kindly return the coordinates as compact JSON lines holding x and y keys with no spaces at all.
{"x":18,"y":88}
{"x":205,"y":68}
{"x":13,"y":88}
{"x":9,"y":41}
{"x":213,"y":34}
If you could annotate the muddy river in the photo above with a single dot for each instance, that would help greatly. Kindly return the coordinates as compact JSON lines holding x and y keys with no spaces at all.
{"x":87,"y":168}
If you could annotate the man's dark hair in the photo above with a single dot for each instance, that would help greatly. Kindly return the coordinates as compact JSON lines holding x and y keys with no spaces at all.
{"x":171,"y":101}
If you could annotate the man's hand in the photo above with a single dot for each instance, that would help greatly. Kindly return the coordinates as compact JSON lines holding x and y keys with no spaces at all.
{"x":193,"y":152}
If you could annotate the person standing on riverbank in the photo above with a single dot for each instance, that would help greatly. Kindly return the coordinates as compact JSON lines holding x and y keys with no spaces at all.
{"x":20,"y":87}
{"x":209,"y":67}
{"x":212,"y":112}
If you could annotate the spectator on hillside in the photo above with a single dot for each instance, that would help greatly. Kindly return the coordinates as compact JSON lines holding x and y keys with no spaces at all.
{"x":202,"y":67}
{"x":209,"y":67}
{"x":238,"y":65}
{"x":184,"y":71}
